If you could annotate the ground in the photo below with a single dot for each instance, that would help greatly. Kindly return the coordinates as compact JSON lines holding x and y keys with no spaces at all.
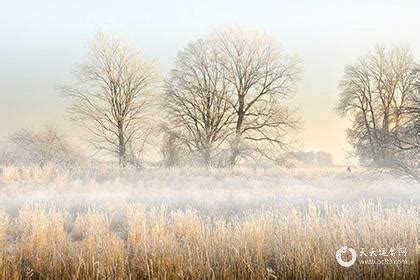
{"x":245,"y":222}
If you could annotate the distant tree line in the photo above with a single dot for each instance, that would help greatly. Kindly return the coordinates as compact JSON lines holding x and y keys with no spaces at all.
{"x":301,"y":158}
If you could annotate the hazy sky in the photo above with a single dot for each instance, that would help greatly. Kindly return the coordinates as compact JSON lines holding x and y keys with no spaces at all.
{"x":41,"y":42}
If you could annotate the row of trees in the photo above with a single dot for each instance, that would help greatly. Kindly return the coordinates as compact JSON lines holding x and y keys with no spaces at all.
{"x":301,"y":158}
{"x":227,"y":99}
{"x":381,"y":93}
{"x":224,"y":99}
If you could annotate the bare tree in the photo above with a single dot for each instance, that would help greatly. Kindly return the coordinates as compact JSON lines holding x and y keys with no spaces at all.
{"x":40,"y":147}
{"x":261,"y":77}
{"x":379,"y":92}
{"x":197,"y":100}
{"x":406,"y":137}
{"x":110,"y":95}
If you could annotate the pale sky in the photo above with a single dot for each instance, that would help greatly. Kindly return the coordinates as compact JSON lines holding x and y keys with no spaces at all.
{"x":41,"y":42}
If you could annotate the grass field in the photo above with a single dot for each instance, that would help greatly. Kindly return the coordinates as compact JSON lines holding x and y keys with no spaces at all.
{"x":243,"y":223}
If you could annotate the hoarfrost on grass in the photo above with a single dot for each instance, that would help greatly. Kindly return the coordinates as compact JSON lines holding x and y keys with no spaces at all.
{"x":196,"y":223}
{"x":217,"y":190}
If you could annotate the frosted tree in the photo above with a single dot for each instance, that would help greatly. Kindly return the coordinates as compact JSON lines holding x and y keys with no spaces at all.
{"x":110,"y":96}
{"x":197,"y":101}
{"x":261,"y":78}
{"x":380,"y":93}
{"x":406,"y":137}
{"x":40,"y":147}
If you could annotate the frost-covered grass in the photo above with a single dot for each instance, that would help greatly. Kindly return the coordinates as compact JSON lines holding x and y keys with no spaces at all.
{"x":194,"y":223}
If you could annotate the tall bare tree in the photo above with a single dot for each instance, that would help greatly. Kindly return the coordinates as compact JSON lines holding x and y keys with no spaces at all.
{"x":379,"y":92}
{"x":197,"y":100}
{"x":261,"y":77}
{"x":406,"y":137}
{"x":109,"y":97}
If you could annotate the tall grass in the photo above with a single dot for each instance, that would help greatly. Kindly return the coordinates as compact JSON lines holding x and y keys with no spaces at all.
{"x":158,"y":242}
{"x":203,"y":224}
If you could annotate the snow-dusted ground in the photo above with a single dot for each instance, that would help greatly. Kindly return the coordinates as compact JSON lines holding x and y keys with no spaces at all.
{"x":227,"y":191}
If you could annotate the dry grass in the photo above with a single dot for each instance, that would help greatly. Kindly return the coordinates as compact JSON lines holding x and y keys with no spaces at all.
{"x":159,"y":242}
{"x":131,"y":234}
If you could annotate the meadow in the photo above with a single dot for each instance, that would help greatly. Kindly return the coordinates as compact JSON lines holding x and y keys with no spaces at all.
{"x":194,"y":223}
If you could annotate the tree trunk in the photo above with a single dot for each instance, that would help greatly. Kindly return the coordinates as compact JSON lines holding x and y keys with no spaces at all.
{"x":238,"y":134}
{"x":207,"y":158}
{"x":121,"y":146}
{"x":234,"y":150}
